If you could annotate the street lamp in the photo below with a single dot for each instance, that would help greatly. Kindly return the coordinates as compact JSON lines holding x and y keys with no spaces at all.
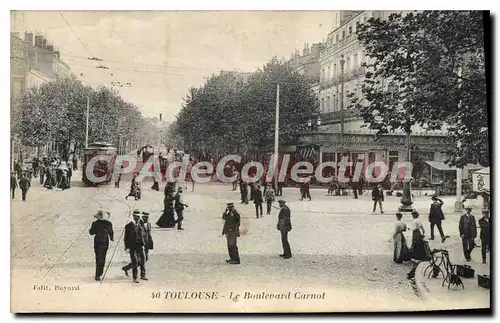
{"x":406,"y":201}
{"x":318,"y":122}
{"x":342,"y":63}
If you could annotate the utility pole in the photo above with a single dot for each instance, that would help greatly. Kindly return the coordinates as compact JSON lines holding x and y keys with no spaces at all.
{"x":276,"y":136}
{"x":342,"y":62}
{"x":458,"y":202}
{"x":87,"y":124}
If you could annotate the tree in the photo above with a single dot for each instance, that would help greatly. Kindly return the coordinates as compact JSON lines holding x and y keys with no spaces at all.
{"x":228,"y":115}
{"x":428,"y":69}
{"x":56,"y":112}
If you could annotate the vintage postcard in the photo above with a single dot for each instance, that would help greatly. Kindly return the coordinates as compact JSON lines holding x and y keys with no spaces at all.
{"x":249,"y":161}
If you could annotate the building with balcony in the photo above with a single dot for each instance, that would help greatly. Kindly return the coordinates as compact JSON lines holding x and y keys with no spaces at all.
{"x":341,"y":74}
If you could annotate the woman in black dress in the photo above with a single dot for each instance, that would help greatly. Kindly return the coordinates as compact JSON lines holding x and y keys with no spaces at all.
{"x":167,"y":218}
{"x":418,"y":250}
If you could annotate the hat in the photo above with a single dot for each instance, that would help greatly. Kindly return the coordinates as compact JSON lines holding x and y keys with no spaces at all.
{"x":281,"y":201}
{"x":485,"y":211}
{"x":145,"y":213}
{"x":99,"y":215}
{"x":137,"y":212}
{"x":230,"y":204}
{"x":180,"y":188}
{"x":468,"y":208}
{"x":414,"y":213}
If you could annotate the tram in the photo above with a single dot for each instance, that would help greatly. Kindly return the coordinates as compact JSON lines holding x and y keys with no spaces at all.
{"x":103,"y":167}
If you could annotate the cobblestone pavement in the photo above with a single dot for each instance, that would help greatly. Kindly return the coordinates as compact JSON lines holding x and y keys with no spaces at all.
{"x":339,"y":247}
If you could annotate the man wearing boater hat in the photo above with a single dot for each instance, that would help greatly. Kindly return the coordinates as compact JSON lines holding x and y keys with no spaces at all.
{"x":147,"y":230}
{"x":232,"y":231}
{"x":102,"y":230}
{"x":135,"y":241}
{"x":284,"y":226}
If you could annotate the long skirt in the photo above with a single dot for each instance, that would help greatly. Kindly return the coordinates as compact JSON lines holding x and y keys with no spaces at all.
{"x":418,"y":249}
{"x":401,"y":251}
{"x":167,"y":219}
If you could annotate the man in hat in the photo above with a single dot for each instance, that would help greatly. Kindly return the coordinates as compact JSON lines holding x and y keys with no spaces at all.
{"x":102,"y":230}
{"x":24,"y":185}
{"x":135,"y":242}
{"x":468,"y":232}
{"x":13,"y":184}
{"x":284,"y":226}
{"x":484,"y":235}
{"x":147,"y":230}
{"x":232,"y":231}
{"x":436,"y":215}
{"x":179,"y":207}
{"x":257,"y":200}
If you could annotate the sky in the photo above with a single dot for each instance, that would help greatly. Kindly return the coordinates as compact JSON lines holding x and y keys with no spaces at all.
{"x":163,"y":53}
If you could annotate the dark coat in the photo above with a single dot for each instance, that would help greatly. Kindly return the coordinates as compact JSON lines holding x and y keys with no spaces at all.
{"x":484,"y":224}
{"x":377,"y":195}
{"x":177,"y":202}
{"x":257,"y":196}
{"x":468,"y":230}
{"x":102,"y":230}
{"x":231,"y":221}
{"x":24,"y":184}
{"x":147,"y":232}
{"x":13,"y":181}
{"x":436,"y":213}
{"x":130,"y":238}
{"x":284,"y":221}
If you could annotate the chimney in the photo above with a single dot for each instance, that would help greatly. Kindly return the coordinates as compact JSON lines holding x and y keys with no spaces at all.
{"x":50,"y":48}
{"x":28,"y":37}
{"x":38,"y":41}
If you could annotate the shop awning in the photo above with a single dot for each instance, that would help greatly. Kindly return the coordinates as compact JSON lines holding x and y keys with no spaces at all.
{"x":443,"y":167}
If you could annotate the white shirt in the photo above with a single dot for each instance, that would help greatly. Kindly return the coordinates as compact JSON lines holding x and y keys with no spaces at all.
{"x":416,"y":224}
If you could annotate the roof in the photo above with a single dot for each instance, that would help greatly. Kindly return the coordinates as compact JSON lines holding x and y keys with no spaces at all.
{"x":484,"y":171}
{"x":444,"y":167}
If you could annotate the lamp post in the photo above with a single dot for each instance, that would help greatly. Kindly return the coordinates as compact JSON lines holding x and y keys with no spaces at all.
{"x":342,"y":62}
{"x":458,"y":202}
{"x":406,"y":201}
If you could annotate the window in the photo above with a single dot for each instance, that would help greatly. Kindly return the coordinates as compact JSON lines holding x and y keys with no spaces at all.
{"x":322,"y":76}
{"x":336,"y":38}
{"x":328,"y":75}
{"x":327,"y":104}
{"x":343,"y":34}
{"x":334,"y":106}
{"x":358,"y":24}
{"x":322,"y":105}
{"x":348,"y":64}
{"x":335,"y":73}
{"x":350,"y":30}
{"x":364,"y":20}
{"x":355,"y":61}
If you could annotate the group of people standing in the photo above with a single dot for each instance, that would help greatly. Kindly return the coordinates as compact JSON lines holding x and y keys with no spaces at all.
{"x":420,"y":250}
{"x":137,"y":239}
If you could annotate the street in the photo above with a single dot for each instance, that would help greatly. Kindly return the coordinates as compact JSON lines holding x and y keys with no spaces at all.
{"x":339,"y":247}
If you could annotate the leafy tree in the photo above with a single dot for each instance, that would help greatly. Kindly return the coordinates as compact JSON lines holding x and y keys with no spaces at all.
{"x":228,"y":115}
{"x":428,"y":69}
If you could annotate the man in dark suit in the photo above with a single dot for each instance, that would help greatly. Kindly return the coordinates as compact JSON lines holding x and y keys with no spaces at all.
{"x":13,"y":184}
{"x":179,"y":206}
{"x":135,"y":242}
{"x":147,"y":230}
{"x":24,"y":185}
{"x":378,"y":197}
{"x":468,"y":232}
{"x":257,"y":200}
{"x":484,"y":235}
{"x":231,"y":229}
{"x":102,"y":230}
{"x":284,"y":226}
{"x":436,"y":216}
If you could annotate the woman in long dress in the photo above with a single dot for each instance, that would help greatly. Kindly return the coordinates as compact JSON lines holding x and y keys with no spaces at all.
{"x":418,"y":249}
{"x":167,"y":218}
{"x":401,"y":252}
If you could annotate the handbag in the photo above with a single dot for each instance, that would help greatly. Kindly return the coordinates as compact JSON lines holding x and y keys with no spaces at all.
{"x":484,"y":281}
{"x":150,"y":244}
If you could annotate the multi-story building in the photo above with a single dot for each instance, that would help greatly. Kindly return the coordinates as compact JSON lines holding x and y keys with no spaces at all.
{"x":342,"y":73}
{"x":33,"y":61}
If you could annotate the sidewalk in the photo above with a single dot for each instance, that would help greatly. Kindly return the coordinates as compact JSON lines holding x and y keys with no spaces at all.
{"x":471,"y":296}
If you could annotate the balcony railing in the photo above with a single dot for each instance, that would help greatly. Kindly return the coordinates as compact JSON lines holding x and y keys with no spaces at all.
{"x":335,"y":115}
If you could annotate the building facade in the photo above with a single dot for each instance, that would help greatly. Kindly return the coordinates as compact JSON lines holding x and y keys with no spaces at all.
{"x":33,"y":61}
{"x":341,"y":73}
